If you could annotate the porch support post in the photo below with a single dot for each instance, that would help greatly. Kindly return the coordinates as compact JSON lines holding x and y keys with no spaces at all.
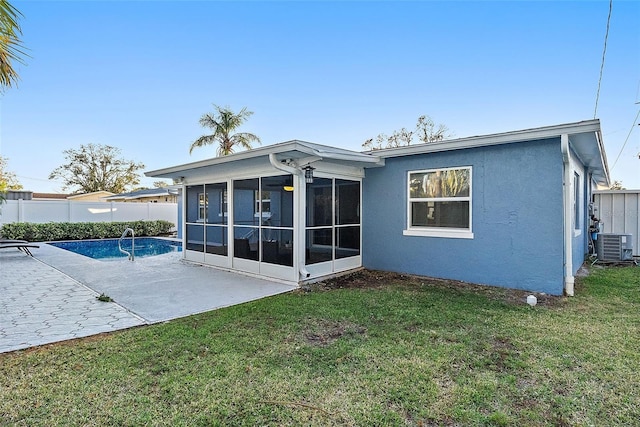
{"x":300,"y":228}
{"x":299,"y":214}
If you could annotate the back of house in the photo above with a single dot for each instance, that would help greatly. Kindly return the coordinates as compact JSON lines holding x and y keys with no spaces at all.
{"x":508,"y":210}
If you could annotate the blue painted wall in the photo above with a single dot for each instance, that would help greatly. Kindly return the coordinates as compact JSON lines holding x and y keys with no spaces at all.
{"x":244,"y":207}
{"x":517,"y":218}
{"x":192,"y":202}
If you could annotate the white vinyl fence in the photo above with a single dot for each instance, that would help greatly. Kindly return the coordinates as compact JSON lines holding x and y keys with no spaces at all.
{"x":42,"y":211}
{"x":619,"y":212}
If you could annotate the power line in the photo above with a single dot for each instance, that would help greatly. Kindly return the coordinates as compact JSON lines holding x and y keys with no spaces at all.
{"x":604,"y":52}
{"x":633,"y":125}
{"x":38,"y":179}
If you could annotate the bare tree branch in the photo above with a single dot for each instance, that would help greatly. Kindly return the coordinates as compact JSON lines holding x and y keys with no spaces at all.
{"x":426,"y":131}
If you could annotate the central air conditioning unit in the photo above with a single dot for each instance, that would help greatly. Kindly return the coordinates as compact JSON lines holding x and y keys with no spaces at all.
{"x":614,"y":247}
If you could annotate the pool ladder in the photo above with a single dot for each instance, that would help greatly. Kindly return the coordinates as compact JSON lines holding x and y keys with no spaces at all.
{"x":131,"y":254}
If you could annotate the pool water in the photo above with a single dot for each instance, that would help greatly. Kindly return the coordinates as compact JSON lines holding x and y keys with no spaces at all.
{"x":107,"y":249}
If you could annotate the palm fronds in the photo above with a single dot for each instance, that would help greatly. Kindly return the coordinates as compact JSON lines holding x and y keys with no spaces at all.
{"x":223,"y":123}
{"x":11,"y":48}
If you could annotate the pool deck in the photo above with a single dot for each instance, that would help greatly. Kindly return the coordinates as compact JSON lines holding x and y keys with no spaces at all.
{"x":52,"y":296}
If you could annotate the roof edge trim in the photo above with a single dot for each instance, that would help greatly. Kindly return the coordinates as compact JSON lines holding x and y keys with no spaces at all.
{"x":492,"y":139}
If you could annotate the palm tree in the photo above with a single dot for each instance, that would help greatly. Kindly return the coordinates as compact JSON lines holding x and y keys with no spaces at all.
{"x":223,"y":124}
{"x":10,"y":45}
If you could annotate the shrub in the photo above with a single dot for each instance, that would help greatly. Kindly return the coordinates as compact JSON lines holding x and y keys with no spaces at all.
{"x":81,"y":230}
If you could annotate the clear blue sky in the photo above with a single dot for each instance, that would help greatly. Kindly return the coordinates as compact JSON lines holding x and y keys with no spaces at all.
{"x":138,"y":75}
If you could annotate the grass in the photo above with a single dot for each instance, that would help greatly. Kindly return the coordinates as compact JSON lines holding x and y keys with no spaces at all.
{"x":381,"y":350}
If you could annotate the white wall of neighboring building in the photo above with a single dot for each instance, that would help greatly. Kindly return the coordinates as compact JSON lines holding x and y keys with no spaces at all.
{"x":619,"y":212}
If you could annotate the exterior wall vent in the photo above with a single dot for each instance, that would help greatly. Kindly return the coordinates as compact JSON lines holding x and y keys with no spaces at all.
{"x":614,"y":247}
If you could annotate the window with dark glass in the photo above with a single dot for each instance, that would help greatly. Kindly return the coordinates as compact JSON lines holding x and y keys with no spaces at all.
{"x":263,"y":218}
{"x":206,"y":229}
{"x":194,"y":233}
{"x":333,"y":220}
{"x":194,"y":203}
{"x":276,"y":212}
{"x":440,"y":198}
{"x":216,"y":218}
{"x":319,"y":235}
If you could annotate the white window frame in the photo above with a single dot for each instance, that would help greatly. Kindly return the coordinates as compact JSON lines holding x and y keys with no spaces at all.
{"x":260,"y":202}
{"x":203,"y":202}
{"x":442,"y":232}
{"x":224,"y":205}
{"x":578,"y":215}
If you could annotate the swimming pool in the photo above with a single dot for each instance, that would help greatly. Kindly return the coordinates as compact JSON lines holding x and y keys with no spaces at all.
{"x":107,"y":249}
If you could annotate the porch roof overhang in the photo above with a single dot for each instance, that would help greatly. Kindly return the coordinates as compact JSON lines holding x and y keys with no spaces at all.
{"x":299,"y":152}
{"x":585,"y":139}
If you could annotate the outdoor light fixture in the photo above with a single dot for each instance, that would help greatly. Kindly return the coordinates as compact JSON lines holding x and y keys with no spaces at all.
{"x":308,"y":174}
{"x":288,"y":188}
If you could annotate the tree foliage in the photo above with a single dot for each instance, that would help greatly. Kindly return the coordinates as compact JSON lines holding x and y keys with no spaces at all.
{"x":425,"y":131}
{"x":95,"y":167}
{"x":11,"y":49}
{"x":224,"y":122}
{"x":616,"y":185}
{"x":8,"y":180}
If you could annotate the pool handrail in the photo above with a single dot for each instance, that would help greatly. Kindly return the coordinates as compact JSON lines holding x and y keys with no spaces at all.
{"x":131,"y":254}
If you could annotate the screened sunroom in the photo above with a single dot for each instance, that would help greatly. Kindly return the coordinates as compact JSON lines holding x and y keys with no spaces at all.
{"x":291,"y":211}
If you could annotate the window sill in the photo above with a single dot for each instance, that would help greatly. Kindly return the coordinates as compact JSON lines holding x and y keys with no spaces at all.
{"x":448,"y":234}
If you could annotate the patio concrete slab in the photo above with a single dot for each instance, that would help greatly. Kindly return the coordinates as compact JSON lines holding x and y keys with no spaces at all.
{"x":54,"y":295}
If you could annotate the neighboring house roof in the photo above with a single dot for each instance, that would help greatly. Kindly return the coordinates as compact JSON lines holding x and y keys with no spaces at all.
{"x":140,"y":194}
{"x":585,"y":139}
{"x":29,"y":195}
{"x":50,"y":196}
{"x":94,"y":194}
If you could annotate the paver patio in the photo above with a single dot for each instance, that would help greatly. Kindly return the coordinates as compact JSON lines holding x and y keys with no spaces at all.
{"x":52,"y":297}
{"x":39,"y":305}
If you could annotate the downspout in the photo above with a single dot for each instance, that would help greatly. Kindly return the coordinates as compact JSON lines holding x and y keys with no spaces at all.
{"x":301,"y":197}
{"x":281,"y":166}
{"x":568,"y":234}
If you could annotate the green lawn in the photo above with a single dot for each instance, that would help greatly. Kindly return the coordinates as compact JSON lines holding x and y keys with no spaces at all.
{"x":383,"y":350}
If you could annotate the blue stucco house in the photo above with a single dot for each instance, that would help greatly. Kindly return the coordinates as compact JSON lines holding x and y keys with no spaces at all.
{"x":509,"y":209}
